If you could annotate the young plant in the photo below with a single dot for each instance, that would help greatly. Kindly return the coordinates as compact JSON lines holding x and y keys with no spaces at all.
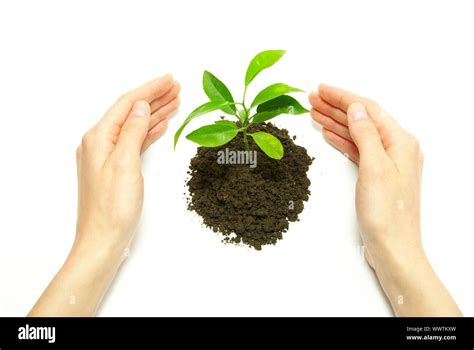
{"x":269,"y":103}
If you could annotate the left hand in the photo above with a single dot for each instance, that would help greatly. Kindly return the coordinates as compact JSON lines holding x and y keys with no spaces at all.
{"x":109,"y":167}
{"x":110,"y":197}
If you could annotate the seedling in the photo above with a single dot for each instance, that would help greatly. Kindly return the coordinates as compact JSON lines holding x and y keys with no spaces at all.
{"x":269,"y":103}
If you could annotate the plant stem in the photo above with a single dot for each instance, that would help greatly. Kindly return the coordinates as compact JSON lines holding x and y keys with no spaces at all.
{"x":246,"y":142}
{"x":244,"y":106}
{"x":245,"y":124}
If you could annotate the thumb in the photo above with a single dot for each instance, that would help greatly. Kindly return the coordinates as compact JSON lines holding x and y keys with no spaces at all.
{"x":365,"y":134}
{"x":135,"y":128}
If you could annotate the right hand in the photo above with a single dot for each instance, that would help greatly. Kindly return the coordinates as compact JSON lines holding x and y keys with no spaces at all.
{"x":387,"y":199}
{"x":390,"y":168}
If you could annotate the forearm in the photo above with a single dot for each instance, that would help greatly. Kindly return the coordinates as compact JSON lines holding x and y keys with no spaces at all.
{"x":411,"y":284}
{"x":81,"y":283}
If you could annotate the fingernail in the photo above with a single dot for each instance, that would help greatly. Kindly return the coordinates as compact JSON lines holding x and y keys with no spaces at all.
{"x":357,"y":111}
{"x":141,"y":109}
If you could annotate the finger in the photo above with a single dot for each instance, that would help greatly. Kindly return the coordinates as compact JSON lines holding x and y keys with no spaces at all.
{"x":164,"y":112}
{"x":166,"y":98}
{"x":331,"y":125}
{"x":134,"y":130}
{"x":365,"y":135}
{"x":342,"y":145}
{"x":154,"y":134}
{"x":325,"y":108}
{"x":340,"y":98}
{"x":388,"y":128}
{"x":119,"y":112}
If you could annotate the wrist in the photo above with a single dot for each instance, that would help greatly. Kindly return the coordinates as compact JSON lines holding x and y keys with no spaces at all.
{"x":84,"y":278}
{"x":394,"y":247}
{"x":395,"y":256}
{"x":399,"y":266}
{"x":102,"y":254}
{"x":398,"y":260}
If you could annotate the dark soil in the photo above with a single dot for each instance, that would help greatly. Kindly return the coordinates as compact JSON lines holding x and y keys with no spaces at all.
{"x":250,"y":205}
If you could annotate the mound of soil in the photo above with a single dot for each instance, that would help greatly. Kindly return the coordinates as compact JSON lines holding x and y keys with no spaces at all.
{"x":245,"y":204}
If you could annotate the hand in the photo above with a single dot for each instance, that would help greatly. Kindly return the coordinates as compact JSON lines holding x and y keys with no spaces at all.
{"x":390,"y":168}
{"x":387,"y":196}
{"x":110,"y":197}
{"x":109,"y":167}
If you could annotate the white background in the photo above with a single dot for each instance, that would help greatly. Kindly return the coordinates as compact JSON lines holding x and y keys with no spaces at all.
{"x":64,"y":63}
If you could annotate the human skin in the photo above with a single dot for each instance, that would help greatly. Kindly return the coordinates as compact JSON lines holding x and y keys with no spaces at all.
{"x":110,"y":197}
{"x":387,"y":199}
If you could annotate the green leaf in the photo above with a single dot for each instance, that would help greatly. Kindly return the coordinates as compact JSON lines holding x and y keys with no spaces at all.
{"x":268,"y":144}
{"x":264,"y":116}
{"x":284,"y":104}
{"x":217,"y":91}
{"x":262,"y":61}
{"x":203,"y":109}
{"x":280,"y":105}
{"x":213,"y":135}
{"x":272,"y":92}
{"x":225,"y":122}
